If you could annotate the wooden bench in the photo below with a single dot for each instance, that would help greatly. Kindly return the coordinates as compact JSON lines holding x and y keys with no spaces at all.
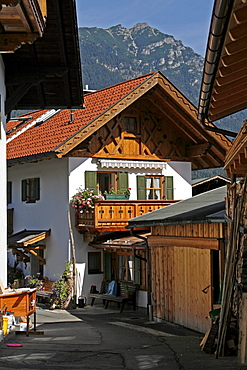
{"x":126,"y":293}
{"x":47,"y":293}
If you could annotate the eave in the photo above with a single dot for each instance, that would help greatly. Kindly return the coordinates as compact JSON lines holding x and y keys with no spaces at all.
{"x":236,"y":158}
{"x":224,"y":82}
{"x":47,"y":73}
{"x":20,"y":22}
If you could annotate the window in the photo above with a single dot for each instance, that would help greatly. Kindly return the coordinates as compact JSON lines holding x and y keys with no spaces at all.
{"x":122,"y":267}
{"x":103,"y":181}
{"x":155,"y":187}
{"x":130,"y":124}
{"x":9,"y":192}
{"x":94,"y":263}
{"x":31,"y":190}
{"x":125,"y":267}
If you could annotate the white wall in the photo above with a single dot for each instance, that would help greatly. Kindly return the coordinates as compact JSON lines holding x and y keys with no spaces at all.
{"x":3,"y":202}
{"x":77,"y":168}
{"x":50,"y":212}
{"x":181,"y":172}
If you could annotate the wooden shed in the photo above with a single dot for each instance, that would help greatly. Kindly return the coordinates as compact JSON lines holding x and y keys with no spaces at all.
{"x":186,"y":255}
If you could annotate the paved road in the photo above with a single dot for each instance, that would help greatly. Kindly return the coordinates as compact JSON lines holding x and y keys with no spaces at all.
{"x":94,"y":338}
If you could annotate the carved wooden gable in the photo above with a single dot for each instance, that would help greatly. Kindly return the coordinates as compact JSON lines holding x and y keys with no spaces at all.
{"x":153,"y":121}
{"x":148,"y":137}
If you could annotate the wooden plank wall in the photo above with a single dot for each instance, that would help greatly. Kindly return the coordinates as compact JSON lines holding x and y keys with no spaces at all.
{"x":179,"y":274}
{"x":178,"y":277}
{"x":207,"y":230}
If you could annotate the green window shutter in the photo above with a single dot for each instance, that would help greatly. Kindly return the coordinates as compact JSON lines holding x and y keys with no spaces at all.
{"x":23,"y":190}
{"x":36,"y":188}
{"x":169,"y":187}
{"x":141,"y":187}
{"x":123,"y":181}
{"x":137,"y":271}
{"x":9,"y":192}
{"x":91,"y":180}
{"x":108,"y":266}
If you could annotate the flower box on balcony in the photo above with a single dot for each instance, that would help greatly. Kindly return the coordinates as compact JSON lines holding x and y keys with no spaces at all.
{"x":116,"y":197}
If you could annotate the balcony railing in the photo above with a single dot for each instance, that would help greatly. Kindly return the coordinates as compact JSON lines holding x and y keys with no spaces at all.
{"x":114,"y":215}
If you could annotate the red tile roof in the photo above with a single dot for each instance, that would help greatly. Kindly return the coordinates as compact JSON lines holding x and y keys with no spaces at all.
{"x":25,"y":138}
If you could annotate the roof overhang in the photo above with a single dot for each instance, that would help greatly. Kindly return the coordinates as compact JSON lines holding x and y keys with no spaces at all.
{"x":26,"y":242}
{"x":208,"y":207}
{"x":114,"y":243}
{"x":47,"y":73}
{"x":224,"y":83}
{"x":236,"y":158}
{"x":20,"y":22}
{"x":25,"y":238}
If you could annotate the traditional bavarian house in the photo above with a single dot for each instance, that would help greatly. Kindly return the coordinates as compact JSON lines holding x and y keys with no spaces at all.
{"x":141,"y":138}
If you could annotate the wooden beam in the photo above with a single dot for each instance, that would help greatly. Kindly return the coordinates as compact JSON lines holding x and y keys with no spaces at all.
{"x":36,"y":247}
{"x":226,"y":71}
{"x":197,"y":150}
{"x":39,"y":74}
{"x":23,"y":17}
{"x":188,"y":242}
{"x":37,"y":256}
{"x":17,"y":95}
{"x":242,"y":158}
{"x":234,"y":47}
{"x":10,"y":42}
{"x":234,"y":85}
{"x":21,"y":253}
{"x":242,"y":346}
{"x":228,"y":60}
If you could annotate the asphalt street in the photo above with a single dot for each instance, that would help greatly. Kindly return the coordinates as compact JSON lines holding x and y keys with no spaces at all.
{"x":95,"y":338}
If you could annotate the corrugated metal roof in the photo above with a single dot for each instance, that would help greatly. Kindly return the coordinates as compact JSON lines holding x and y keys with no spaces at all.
{"x":197,"y":208}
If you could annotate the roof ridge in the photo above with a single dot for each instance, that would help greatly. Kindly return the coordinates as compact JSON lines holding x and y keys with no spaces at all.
{"x":122,"y":82}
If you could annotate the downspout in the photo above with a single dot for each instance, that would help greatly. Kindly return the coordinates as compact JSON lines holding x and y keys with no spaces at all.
{"x":149,"y":291}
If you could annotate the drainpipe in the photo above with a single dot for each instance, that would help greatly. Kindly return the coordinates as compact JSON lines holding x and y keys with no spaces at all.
{"x":216,"y":129}
{"x":149,"y":305}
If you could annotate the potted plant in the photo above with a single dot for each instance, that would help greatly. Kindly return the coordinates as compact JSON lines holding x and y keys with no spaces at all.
{"x":117,"y":194}
{"x":62,"y":288}
{"x":34,"y":282}
{"x":83,"y":200}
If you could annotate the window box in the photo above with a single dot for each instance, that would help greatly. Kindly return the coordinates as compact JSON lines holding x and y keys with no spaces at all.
{"x":116,"y":197}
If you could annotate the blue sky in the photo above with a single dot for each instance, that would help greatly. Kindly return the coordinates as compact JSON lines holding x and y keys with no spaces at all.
{"x":186,"y":20}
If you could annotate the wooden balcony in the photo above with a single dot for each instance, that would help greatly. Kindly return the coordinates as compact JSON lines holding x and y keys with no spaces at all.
{"x":114,"y":215}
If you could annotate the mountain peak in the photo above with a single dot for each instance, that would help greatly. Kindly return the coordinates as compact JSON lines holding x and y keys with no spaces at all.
{"x":140,"y":26}
{"x":118,"y":54}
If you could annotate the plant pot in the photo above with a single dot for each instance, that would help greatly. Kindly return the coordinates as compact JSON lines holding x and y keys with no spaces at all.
{"x":116,"y":197}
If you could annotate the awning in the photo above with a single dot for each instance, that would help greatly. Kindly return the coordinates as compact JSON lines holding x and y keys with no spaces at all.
{"x":108,"y":163}
{"x":26,"y":241}
{"x":124,"y":243}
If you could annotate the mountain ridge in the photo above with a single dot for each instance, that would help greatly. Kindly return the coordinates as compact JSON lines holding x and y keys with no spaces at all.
{"x":116,"y":54}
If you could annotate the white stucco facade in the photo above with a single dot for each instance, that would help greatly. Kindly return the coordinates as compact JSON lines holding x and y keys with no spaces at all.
{"x":3,"y":214}
{"x":59,"y":180}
